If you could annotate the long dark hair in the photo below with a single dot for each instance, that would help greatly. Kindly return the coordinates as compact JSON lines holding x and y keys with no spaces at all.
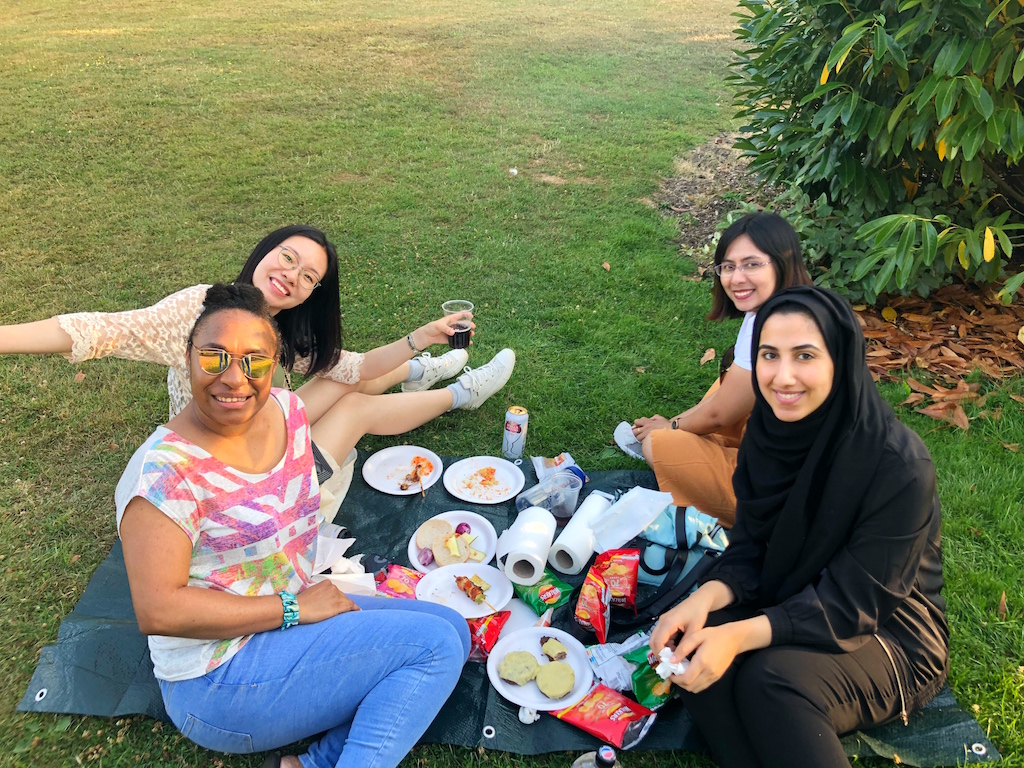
{"x":775,"y":236}
{"x":313,"y":328}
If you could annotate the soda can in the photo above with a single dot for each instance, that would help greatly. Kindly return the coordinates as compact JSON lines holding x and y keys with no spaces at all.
{"x":514,"y":439}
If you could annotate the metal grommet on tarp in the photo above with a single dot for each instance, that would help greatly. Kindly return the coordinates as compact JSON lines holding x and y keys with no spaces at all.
{"x":979,"y":749}
{"x":489,"y":732}
{"x":40,"y":694}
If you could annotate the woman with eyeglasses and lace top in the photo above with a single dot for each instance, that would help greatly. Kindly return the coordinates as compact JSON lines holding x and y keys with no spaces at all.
{"x":296,"y":270}
{"x":694,"y":453}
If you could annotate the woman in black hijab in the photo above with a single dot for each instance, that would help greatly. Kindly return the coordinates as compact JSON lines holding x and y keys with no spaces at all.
{"x":825,"y":614}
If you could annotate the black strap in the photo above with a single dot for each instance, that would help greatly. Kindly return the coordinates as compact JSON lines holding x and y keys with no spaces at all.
{"x":672,"y":591}
{"x":681,"y":529}
{"x":670,"y":558}
{"x":323,"y":467}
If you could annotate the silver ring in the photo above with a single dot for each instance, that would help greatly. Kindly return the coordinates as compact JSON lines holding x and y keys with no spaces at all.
{"x":489,"y":732}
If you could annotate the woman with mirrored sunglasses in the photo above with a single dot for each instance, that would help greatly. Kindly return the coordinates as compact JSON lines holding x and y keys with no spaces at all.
{"x":296,"y":270}
{"x":217,"y":516}
{"x":694,"y":453}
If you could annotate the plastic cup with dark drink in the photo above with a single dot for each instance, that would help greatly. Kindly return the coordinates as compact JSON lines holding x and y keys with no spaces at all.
{"x":460,"y":340}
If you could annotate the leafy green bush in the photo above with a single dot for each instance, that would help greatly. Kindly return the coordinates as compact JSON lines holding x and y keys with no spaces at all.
{"x":898,"y":127}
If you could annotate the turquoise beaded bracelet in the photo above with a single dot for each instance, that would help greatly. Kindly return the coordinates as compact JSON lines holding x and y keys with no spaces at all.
{"x":291,"y":610}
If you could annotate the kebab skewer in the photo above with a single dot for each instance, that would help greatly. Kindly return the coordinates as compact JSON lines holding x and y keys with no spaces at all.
{"x":473,"y":591}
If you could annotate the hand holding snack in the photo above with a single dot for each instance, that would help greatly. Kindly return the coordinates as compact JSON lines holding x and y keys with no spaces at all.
{"x":687,"y":617}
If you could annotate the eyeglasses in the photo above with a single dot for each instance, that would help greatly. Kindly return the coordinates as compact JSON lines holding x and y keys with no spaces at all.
{"x":290,"y":260}
{"x":747,"y":267}
{"x":216,"y":361}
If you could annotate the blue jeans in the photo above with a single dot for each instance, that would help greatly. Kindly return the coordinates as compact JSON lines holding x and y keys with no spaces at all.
{"x":371,"y":681}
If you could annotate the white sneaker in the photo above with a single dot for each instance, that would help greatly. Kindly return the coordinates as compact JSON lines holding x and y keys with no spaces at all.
{"x":488,"y":379}
{"x":447,"y":366}
{"x":625,"y":439}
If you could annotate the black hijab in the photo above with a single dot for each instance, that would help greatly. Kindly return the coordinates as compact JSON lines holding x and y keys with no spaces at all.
{"x":800,"y":484}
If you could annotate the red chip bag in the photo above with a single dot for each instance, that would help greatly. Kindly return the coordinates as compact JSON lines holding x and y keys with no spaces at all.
{"x":483,"y":634}
{"x":609,"y":716}
{"x":619,"y":569}
{"x":593,"y":608}
{"x":399,"y":582}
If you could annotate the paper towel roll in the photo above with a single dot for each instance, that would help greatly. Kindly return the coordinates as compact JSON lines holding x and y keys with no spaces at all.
{"x":523,"y":549}
{"x":574,"y":546}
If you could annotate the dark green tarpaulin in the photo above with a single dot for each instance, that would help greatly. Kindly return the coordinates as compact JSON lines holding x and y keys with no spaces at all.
{"x":100,"y":664}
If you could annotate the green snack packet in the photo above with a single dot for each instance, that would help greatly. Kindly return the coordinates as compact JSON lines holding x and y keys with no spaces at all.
{"x":648,"y":687}
{"x":549,"y":592}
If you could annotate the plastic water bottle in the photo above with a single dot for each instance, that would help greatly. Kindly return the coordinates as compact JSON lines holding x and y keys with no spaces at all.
{"x":604,"y":757}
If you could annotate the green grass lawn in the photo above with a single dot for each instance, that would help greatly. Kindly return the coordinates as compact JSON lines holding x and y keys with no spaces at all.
{"x":147,"y":146}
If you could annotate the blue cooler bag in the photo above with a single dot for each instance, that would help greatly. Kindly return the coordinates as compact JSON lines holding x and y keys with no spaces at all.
{"x":676,"y":550}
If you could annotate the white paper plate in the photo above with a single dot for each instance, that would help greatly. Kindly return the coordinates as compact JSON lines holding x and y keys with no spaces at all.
{"x":438,"y":586}
{"x":463,"y":481}
{"x":388,"y":467}
{"x":529,"y":695}
{"x":486,"y":541}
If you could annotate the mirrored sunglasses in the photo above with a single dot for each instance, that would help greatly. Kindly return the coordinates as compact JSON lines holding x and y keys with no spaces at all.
{"x":216,"y":361}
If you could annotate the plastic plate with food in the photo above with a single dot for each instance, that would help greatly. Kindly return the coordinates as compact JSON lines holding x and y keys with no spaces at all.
{"x":484,"y":480}
{"x":476,"y":532}
{"x":471,"y":589}
{"x":536,"y":642}
{"x":402,"y":470}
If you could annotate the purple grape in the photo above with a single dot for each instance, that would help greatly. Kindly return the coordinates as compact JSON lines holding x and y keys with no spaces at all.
{"x":462,"y":528}
{"x":426,"y":556}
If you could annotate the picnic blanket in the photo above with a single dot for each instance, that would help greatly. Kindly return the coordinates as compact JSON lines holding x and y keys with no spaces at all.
{"x":100,"y":664}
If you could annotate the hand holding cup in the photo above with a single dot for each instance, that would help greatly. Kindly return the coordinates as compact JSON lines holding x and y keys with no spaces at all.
{"x":458,"y":313}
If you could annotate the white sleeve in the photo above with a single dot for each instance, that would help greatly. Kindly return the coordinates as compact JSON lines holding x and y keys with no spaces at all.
{"x":156,"y":334}
{"x":345,"y":371}
{"x":744,"y":339}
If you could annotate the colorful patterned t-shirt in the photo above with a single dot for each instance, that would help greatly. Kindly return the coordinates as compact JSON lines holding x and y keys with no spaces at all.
{"x":251,"y":534}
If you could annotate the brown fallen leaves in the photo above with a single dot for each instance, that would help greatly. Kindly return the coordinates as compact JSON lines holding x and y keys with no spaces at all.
{"x":708,"y":356}
{"x":954,"y":331}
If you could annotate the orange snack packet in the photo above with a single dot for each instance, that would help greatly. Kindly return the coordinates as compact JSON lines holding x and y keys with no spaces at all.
{"x":593,"y":608}
{"x":619,"y":569}
{"x":609,"y":716}
{"x":483,"y":634}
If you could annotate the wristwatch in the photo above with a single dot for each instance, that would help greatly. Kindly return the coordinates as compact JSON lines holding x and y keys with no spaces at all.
{"x":674,"y":423}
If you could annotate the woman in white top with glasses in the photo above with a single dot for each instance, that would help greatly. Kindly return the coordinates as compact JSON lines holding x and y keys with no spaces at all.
{"x":693,"y":454}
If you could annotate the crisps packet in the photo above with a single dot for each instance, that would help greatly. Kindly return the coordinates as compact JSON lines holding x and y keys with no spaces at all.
{"x":609,"y":716}
{"x":549,"y":592}
{"x":648,"y":687}
{"x":483,"y":634}
{"x":593,"y":609}
{"x":619,"y":569}
{"x":399,"y":581}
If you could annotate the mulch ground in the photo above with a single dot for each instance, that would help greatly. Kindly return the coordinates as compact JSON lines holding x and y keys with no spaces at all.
{"x":939,"y":339}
